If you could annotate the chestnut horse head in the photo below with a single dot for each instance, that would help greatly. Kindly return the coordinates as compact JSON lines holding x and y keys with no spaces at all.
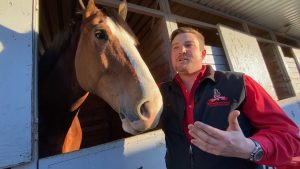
{"x":109,"y":65}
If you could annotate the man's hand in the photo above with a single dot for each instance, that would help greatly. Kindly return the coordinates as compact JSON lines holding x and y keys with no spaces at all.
{"x":229,"y":143}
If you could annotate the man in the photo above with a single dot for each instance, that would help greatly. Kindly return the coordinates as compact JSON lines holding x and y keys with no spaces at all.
{"x":220,"y":120}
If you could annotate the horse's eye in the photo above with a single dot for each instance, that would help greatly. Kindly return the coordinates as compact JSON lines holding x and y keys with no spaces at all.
{"x":101,"y":34}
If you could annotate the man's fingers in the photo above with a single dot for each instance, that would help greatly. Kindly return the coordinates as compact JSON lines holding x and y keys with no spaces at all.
{"x":201,"y":144}
{"x":199,"y":134}
{"x":233,"y":121}
{"x":204,"y":146}
{"x":211,"y":131}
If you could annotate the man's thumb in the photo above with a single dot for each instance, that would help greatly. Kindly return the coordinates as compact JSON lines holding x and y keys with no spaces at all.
{"x":233,"y":121}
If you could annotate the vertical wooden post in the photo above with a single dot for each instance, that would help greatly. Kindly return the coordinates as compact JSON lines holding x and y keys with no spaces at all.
{"x":280,"y":56}
{"x":246,"y":28}
{"x":170,"y":25}
{"x":18,"y":32}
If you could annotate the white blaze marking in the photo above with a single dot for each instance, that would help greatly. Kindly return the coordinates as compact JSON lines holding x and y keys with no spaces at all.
{"x":129,"y":46}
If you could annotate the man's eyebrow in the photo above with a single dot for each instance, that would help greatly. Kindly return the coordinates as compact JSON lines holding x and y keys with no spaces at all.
{"x":175,"y":43}
{"x":190,"y":41}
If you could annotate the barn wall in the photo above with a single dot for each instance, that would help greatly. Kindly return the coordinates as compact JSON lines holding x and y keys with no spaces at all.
{"x":155,"y":51}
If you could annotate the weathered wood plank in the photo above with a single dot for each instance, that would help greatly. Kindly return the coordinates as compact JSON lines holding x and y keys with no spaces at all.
{"x":244,"y":55}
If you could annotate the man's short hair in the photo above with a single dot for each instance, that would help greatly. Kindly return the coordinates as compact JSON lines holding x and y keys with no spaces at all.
{"x":188,"y":30}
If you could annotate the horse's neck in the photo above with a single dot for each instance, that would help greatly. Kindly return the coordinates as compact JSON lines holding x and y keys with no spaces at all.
{"x":58,"y":85}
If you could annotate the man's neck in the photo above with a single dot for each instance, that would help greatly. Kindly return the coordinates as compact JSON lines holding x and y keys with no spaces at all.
{"x":188,"y":79}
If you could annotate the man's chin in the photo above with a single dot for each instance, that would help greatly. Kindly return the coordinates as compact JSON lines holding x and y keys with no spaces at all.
{"x":180,"y":69}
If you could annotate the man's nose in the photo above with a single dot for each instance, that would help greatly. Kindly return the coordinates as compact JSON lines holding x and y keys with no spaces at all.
{"x":183,"y":49}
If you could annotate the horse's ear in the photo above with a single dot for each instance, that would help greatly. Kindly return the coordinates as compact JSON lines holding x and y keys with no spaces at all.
{"x":91,"y":6}
{"x":123,"y":9}
{"x":90,"y":9}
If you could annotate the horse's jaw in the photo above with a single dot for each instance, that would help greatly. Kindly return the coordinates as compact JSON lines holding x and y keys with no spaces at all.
{"x":138,"y":127}
{"x":143,"y":123}
{"x":141,"y":117}
{"x":128,"y":128}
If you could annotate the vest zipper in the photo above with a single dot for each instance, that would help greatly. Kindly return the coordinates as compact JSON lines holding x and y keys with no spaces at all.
{"x":191,"y":156}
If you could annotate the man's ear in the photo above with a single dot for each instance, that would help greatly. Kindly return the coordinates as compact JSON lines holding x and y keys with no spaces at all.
{"x":203,"y":53}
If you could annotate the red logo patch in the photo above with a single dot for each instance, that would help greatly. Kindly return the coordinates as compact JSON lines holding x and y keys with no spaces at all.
{"x":218,"y":99}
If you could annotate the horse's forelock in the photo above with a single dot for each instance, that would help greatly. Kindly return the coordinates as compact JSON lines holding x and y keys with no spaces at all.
{"x":118,"y":20}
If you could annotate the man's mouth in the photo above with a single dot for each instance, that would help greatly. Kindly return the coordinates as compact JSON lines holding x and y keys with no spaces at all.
{"x":182,"y":59}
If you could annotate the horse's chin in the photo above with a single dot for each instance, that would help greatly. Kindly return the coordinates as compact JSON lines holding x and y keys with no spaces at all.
{"x":129,"y":128}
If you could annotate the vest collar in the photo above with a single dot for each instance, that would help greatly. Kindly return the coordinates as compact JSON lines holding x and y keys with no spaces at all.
{"x":208,"y":74}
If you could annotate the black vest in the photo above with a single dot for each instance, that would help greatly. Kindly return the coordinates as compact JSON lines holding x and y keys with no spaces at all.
{"x":217,"y":95}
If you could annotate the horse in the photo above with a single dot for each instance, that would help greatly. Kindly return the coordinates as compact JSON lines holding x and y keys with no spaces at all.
{"x":97,"y":55}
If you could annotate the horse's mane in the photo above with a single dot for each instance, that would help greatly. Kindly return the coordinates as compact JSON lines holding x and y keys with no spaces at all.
{"x":57,"y":47}
{"x":69,"y":37}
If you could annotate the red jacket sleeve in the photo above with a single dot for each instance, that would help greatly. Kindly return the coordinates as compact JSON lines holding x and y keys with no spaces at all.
{"x":275,"y":131}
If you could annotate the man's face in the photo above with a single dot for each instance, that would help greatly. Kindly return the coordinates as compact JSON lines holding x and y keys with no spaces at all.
{"x":187,"y":53}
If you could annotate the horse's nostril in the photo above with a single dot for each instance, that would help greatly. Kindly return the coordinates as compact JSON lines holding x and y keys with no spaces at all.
{"x":145,"y":110}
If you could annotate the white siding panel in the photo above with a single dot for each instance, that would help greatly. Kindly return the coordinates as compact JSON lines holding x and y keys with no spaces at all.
{"x":292,"y":107}
{"x":214,"y":50}
{"x":221,"y":67}
{"x":216,"y":58}
{"x":15,"y":81}
{"x":145,"y":151}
